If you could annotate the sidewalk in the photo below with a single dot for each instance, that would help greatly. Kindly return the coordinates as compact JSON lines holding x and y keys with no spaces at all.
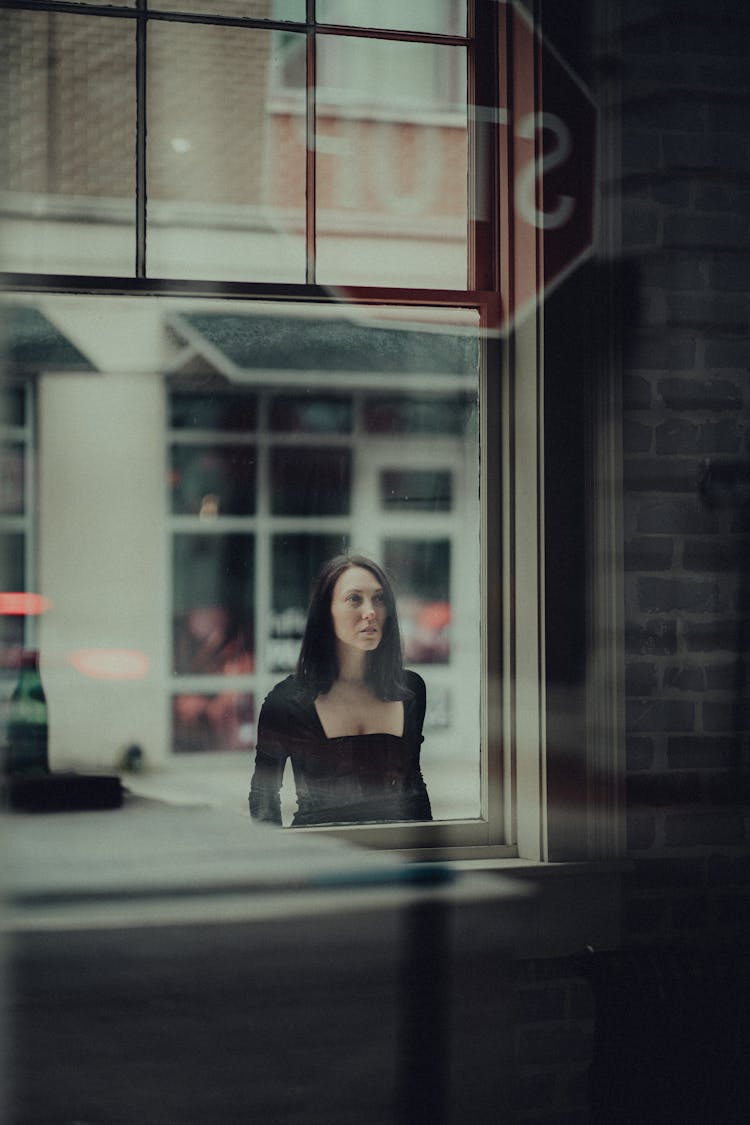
{"x":220,"y":780}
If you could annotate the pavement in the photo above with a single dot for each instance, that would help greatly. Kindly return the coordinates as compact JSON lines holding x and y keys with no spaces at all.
{"x":220,"y":780}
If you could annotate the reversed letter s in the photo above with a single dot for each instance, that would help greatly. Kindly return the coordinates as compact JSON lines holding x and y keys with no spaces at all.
{"x":526,"y":183}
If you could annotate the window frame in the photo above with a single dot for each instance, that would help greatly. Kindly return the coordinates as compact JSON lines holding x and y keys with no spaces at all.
{"x":480,"y":294}
{"x":513,"y":581}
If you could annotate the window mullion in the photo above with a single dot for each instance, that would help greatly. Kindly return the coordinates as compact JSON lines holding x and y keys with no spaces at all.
{"x":310,"y":138}
{"x":484,"y":118}
{"x":140,"y":141}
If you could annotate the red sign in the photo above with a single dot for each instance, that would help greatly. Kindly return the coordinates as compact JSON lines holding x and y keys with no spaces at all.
{"x":552,"y":123}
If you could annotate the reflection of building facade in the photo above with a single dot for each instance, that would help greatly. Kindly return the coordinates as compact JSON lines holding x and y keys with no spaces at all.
{"x":310,"y":452}
{"x":226,"y":152}
{"x":279,"y":445}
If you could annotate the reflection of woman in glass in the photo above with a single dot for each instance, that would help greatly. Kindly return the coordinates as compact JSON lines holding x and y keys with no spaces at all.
{"x":351,"y":717}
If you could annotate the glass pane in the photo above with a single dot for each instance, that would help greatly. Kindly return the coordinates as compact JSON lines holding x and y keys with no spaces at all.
{"x":439,"y":17}
{"x":424,"y":596}
{"x":11,"y":641}
{"x":416,"y":490}
{"x":250,"y":345}
{"x":248,"y":9}
{"x":392,"y":166}
{"x":67,"y":168}
{"x":12,"y":561}
{"x":409,"y":414}
{"x":210,"y":481}
{"x":12,"y":405}
{"x":213,"y":604}
{"x":12,"y":579}
{"x":310,"y":481}
{"x":226,"y":172}
{"x":216,"y":722}
{"x":234,"y":591}
{"x":303,"y":414}
{"x":237,"y":412}
{"x":12,"y":479}
{"x":295,"y":560}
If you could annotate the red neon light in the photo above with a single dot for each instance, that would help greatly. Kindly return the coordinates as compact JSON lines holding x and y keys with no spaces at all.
{"x":23,"y":605}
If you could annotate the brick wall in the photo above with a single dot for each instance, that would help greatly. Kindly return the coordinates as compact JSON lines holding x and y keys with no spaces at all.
{"x":686,"y":228}
{"x":659,"y":1030}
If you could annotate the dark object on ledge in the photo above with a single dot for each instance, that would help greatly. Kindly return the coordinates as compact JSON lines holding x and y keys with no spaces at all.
{"x":63,"y":792}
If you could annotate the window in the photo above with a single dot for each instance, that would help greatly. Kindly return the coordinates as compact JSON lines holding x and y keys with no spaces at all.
{"x":16,"y":506}
{"x":280,"y":188}
{"x":366,"y":79}
{"x":265,"y":486}
{"x":30,"y":342}
{"x":230,"y":180}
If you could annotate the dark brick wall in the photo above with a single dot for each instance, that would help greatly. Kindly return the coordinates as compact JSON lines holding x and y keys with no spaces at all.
{"x":658,"y":1030}
{"x":686,"y":231}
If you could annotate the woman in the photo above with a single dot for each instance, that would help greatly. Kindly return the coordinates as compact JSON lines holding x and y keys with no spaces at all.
{"x":351,"y":717}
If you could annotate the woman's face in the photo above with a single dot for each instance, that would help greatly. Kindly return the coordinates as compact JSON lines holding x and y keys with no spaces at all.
{"x":358,"y":609}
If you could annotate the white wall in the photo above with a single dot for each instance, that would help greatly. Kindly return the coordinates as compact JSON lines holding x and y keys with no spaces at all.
{"x":101,"y":544}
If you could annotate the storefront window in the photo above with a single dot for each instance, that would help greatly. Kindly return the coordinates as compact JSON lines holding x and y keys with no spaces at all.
{"x":310,"y":482}
{"x":310,"y":414}
{"x":295,"y":560}
{"x":416,"y":490}
{"x":292,"y":503}
{"x":424,"y":573}
{"x":217,"y":410}
{"x":214,"y":618}
{"x":14,"y":509}
{"x":213,"y":723}
{"x":244,"y":416}
{"x":207,"y":481}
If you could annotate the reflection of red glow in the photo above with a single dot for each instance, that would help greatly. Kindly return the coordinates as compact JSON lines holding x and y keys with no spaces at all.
{"x":110,"y":663}
{"x":23,"y":605}
{"x":435,"y":615}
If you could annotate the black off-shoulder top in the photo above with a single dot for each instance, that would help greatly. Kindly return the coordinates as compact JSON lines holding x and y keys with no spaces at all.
{"x":369,"y":778}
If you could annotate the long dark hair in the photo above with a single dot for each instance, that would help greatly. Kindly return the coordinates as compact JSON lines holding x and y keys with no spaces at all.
{"x":317,"y":667}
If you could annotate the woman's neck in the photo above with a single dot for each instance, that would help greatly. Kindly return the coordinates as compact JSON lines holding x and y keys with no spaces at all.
{"x":352,"y":667}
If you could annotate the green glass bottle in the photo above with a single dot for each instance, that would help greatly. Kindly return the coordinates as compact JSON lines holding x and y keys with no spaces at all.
{"x":27,"y":730}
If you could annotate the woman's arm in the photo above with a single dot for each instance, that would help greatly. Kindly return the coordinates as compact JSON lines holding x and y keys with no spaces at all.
{"x":264,"y":798}
{"x":416,"y":791}
{"x":270,"y":758}
{"x":418,"y":800}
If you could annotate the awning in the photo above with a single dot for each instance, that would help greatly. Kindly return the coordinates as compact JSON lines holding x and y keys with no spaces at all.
{"x":286,"y":350}
{"x":30,"y":343}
